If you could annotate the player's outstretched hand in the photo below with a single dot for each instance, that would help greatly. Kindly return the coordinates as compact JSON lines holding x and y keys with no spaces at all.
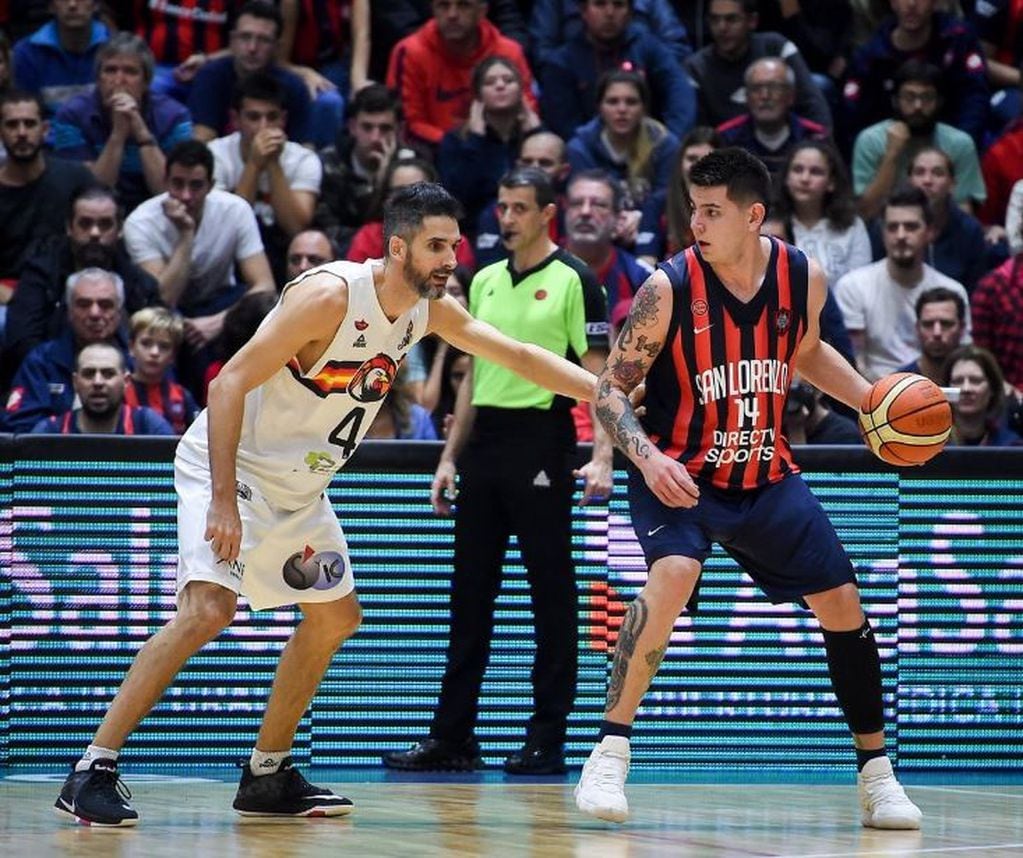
{"x":670,"y":481}
{"x":224,"y":530}
{"x":598,"y":481}
{"x":444,"y":488}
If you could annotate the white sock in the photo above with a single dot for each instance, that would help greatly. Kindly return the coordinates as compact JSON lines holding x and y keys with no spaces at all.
{"x":266,"y":762}
{"x":93,"y":753}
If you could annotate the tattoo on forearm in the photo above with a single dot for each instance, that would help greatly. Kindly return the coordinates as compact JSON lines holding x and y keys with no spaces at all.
{"x":621,"y":424}
{"x":628,"y":373}
{"x":632,"y":628}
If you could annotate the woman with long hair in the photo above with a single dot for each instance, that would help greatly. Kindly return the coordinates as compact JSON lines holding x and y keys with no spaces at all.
{"x":473,"y":157}
{"x":623,"y":140}
{"x":977,"y":414}
{"x":817,"y":205}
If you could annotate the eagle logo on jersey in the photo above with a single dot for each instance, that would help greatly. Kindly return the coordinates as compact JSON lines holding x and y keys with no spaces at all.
{"x":782,"y":318}
{"x":373,"y":379}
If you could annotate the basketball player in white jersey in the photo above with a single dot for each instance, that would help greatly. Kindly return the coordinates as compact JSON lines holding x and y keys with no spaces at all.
{"x":284,"y":414}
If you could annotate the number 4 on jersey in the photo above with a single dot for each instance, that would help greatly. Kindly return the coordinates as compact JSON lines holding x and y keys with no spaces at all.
{"x":345,"y":435}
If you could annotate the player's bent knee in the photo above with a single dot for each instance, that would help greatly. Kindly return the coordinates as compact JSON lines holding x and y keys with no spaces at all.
{"x":334,"y":621}
{"x":205,"y":610}
{"x":676,"y":575}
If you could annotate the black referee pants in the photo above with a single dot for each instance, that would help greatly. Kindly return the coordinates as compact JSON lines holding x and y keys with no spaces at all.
{"x":523,"y":486}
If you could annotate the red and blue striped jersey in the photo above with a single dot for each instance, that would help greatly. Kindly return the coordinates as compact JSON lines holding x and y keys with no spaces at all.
{"x":716,"y":392}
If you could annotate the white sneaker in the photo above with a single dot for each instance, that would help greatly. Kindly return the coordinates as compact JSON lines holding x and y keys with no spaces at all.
{"x":601,"y":788}
{"x":883,"y":802}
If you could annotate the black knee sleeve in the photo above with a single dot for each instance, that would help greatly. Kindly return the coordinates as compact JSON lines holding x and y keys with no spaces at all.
{"x":855,"y":669}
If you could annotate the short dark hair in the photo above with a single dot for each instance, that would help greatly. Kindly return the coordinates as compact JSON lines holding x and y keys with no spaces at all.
{"x":261,"y":9}
{"x":20,"y":96}
{"x":938,"y":294}
{"x":407,"y":208}
{"x":259,"y":86}
{"x":917,"y":71}
{"x":530,"y":177}
{"x":605,"y":178}
{"x":191,"y":153}
{"x":909,"y":196}
{"x":375,"y":98}
{"x":93,"y":191}
{"x":744,"y":176}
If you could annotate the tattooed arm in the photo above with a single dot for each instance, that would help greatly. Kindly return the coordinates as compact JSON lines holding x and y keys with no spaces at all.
{"x":639,"y":343}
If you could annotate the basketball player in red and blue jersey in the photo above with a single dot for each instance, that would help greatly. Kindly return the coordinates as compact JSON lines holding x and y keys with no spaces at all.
{"x":717,"y":334}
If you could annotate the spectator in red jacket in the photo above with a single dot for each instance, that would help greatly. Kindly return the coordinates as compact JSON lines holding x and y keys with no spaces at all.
{"x":432,"y":68}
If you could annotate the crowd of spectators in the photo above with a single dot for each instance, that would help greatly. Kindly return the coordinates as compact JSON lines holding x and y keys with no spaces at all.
{"x":167,"y":167}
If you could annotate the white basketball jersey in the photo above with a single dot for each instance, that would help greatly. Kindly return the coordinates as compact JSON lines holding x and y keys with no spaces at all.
{"x":299,"y":428}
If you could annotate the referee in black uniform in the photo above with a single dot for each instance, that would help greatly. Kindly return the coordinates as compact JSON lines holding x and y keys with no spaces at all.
{"x":517,"y":477}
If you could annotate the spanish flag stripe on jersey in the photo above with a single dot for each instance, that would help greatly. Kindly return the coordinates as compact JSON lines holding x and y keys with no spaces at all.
{"x":333,"y":378}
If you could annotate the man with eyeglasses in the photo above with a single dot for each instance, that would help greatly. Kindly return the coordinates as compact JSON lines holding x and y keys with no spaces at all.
{"x":593,"y":206}
{"x":717,"y":70}
{"x":42,"y":385}
{"x":253,"y":48}
{"x":770,"y":128}
{"x":882,"y":152}
{"x":915,"y":31}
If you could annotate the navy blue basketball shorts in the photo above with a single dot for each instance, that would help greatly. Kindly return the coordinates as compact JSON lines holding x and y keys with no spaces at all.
{"x":779,"y":534}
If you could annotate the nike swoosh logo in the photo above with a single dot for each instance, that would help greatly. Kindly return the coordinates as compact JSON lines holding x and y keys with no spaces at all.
{"x":659,"y":527}
{"x":704,"y":328}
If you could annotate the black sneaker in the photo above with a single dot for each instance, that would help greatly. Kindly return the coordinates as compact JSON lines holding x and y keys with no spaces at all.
{"x":97,"y":796}
{"x":285,"y":793}
{"x":437,"y":755}
{"x":537,"y":760}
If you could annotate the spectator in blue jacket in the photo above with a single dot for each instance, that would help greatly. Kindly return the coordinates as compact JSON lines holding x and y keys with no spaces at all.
{"x":58,"y":59}
{"x":473,"y":157}
{"x":917,"y":32}
{"x":609,"y":41}
{"x":99,"y":381}
{"x":42,"y":385}
{"x":121,"y":129}
{"x":554,"y":22}
{"x":624,"y":140}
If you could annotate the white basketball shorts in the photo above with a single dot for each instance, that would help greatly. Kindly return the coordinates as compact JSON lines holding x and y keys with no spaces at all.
{"x":287,"y":556}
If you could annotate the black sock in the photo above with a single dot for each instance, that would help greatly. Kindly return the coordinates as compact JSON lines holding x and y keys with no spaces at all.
{"x":863,"y":757}
{"x":612,"y":728}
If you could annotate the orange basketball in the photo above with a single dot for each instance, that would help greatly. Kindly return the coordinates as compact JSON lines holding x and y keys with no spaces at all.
{"x":905,"y":419}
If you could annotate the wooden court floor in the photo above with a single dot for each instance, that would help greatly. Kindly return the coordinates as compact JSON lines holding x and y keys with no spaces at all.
{"x":192,"y":817}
